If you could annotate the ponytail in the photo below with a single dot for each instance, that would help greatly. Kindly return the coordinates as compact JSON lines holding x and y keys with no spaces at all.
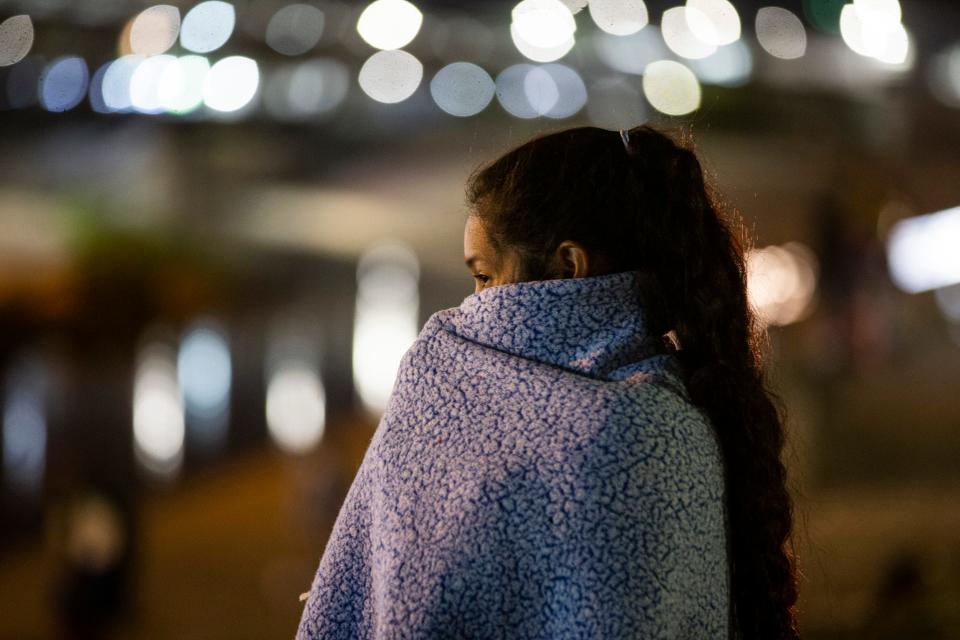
{"x":722,"y":358}
{"x":641,"y":202}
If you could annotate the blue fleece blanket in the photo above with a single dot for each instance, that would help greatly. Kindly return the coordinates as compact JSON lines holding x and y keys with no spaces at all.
{"x":539,"y":472}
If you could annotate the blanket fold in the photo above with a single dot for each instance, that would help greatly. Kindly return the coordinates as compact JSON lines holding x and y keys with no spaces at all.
{"x":539,"y":472}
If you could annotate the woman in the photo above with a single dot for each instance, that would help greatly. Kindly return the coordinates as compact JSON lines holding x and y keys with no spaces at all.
{"x":583,"y":448}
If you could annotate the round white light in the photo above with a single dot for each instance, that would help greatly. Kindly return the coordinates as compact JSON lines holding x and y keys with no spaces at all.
{"x":781,"y":282}
{"x":544,"y":24}
{"x":145,"y":83}
{"x":295,"y":407}
{"x":204,"y":371}
{"x":511,"y":91}
{"x":385,"y":323}
{"x":462,"y":89}
{"x":873,"y":29}
{"x":571,"y":92}
{"x":208,"y":26}
{"x":781,"y":33}
{"x":540,"y":54}
{"x":390,"y":76}
{"x":181,"y":85}
{"x":231,"y":84}
{"x":158,"y":422}
{"x":619,"y":17}
{"x":713,"y":21}
{"x":16,"y":39}
{"x":675,"y":26}
{"x":389,"y":24}
{"x":116,"y":82}
{"x":879,"y":10}
{"x":922,"y":251}
{"x":671,"y":87}
{"x":541,"y":90}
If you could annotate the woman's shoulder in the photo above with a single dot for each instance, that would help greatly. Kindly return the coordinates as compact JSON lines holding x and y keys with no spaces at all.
{"x":650,"y":425}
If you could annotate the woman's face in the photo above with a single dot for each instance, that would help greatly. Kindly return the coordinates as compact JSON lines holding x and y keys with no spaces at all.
{"x":489,"y":266}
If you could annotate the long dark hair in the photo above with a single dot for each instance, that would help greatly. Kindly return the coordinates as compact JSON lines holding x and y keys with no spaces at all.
{"x":645,"y":206}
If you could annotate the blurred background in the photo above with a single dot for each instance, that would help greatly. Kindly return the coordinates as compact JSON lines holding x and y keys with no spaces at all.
{"x":223,"y":223}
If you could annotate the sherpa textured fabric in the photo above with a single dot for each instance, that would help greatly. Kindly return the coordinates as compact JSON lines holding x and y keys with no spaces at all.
{"x":539,"y":472}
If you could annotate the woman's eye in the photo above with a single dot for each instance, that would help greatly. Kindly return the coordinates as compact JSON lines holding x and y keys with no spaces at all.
{"x":481,"y":277}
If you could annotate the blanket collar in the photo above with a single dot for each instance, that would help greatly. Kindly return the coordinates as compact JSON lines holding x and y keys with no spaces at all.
{"x":593,"y":326}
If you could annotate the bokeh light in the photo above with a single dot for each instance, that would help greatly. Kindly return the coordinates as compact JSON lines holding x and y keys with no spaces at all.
{"x":390,"y":76}
{"x":511,"y":91}
{"x":543,"y":23}
{"x":205,"y":374}
{"x":231,"y":84}
{"x":385,"y":324}
{"x":782,"y":282}
{"x":551,"y":90}
{"x":671,"y":87}
{"x":781,"y":33}
{"x":63,"y":84}
{"x":145,"y":83}
{"x":208,"y":26}
{"x":619,"y":17}
{"x":570,"y":89}
{"x":295,"y":29}
{"x":922,"y":251}
{"x":24,"y":437}
{"x":462,"y":89}
{"x":296,"y":406}
{"x":16,"y":39}
{"x":116,"y":82}
{"x":389,"y":24}
{"x":680,"y":38}
{"x":158,"y":418}
{"x":182,"y":83}
{"x":541,"y":90}
{"x":542,"y":30}
{"x":540,"y":54}
{"x":715,"y":22}
{"x":872,"y":28}
{"x":96,"y":534}
{"x":155,"y":30}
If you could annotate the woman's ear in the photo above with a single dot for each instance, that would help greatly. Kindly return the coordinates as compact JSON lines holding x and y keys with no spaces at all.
{"x":572,"y":259}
